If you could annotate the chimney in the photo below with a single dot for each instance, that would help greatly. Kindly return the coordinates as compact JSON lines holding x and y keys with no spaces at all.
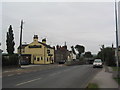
{"x":35,"y":38}
{"x":44,"y":40}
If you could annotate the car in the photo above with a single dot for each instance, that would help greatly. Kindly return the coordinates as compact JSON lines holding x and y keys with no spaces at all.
{"x":61,"y":61}
{"x":97,"y":63}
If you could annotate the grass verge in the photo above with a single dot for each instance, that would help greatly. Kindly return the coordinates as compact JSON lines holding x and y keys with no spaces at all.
{"x":117,"y":80}
{"x":115,"y":68}
{"x":92,"y":85}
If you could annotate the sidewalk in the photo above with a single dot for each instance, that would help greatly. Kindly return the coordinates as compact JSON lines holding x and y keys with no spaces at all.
{"x":104,"y":79}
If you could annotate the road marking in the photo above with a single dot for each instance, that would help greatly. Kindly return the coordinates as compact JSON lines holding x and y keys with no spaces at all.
{"x":66,"y":70}
{"x":6,"y":71}
{"x":27,"y":82}
{"x":18,"y":73}
{"x":10,"y":74}
{"x":53,"y":74}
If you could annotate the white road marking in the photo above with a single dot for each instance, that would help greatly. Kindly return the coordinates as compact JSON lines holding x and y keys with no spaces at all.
{"x":53,"y":74}
{"x":11,"y":71}
{"x":18,"y":73}
{"x":27,"y":82}
{"x":66,"y":70}
{"x":10,"y":74}
{"x":6,"y":71}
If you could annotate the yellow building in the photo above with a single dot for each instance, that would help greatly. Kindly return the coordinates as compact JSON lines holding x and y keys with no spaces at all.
{"x":40,"y":52}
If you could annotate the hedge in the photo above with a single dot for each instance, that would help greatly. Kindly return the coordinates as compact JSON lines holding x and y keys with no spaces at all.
{"x":10,"y":60}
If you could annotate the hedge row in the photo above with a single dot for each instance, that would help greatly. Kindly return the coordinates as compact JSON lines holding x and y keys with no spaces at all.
{"x":10,"y":60}
{"x":69,"y":63}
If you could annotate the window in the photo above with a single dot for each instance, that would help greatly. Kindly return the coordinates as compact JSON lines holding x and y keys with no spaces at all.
{"x":38,"y":59}
{"x":47,"y":59}
{"x":41,"y":58}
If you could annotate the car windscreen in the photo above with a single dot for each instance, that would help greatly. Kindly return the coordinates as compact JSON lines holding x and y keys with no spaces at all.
{"x":97,"y":61}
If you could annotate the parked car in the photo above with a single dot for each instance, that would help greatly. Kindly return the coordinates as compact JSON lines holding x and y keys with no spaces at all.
{"x":97,"y":63}
{"x":62,"y":62}
{"x":24,"y":62}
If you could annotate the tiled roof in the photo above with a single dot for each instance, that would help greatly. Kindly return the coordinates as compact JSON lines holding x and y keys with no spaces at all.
{"x":48,"y":46}
{"x":23,"y":46}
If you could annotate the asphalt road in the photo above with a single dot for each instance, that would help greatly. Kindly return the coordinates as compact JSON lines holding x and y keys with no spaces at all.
{"x":62,"y":77}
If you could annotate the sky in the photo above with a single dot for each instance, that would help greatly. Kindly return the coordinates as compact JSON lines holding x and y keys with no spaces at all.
{"x":90,"y":24}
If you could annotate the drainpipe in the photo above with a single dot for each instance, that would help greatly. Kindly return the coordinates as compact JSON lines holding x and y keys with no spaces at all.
{"x":44,"y":55}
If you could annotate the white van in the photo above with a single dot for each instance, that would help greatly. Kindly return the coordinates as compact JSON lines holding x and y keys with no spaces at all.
{"x":97,"y":63}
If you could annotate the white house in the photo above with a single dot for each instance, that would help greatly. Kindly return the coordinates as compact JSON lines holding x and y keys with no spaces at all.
{"x":71,"y":56}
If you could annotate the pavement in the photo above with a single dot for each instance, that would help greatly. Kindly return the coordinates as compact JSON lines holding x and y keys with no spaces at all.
{"x":104,"y":79}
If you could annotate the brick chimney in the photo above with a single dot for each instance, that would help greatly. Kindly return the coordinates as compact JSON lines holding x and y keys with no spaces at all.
{"x":35,"y":38}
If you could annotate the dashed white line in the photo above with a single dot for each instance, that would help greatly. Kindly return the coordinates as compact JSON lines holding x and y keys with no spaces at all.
{"x":18,"y":73}
{"x":10,"y":74}
{"x":27,"y":82}
{"x":7,"y":71}
{"x":53,"y":74}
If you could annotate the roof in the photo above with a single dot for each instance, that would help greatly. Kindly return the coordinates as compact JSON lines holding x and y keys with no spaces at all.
{"x":23,"y":46}
{"x":48,"y":46}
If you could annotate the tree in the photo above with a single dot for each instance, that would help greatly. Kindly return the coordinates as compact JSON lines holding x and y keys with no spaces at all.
{"x":10,"y":41}
{"x":99,"y":55}
{"x":88,"y":55}
{"x":80,"y":49}
{"x":73,"y":50}
{"x":107,"y":55}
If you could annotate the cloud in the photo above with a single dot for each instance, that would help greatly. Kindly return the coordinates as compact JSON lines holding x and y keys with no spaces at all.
{"x":90,"y":23}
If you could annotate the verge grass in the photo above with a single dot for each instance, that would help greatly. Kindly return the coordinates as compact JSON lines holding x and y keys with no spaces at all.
{"x":92,"y":85}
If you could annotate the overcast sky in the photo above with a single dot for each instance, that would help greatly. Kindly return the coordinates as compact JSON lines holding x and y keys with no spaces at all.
{"x":90,"y":24}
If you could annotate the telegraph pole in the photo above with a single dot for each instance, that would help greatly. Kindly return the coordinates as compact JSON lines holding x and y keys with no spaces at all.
{"x":117,"y":46}
{"x":21,"y":27}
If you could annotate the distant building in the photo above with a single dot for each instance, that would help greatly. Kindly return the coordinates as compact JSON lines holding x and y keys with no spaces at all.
{"x":37,"y":52}
{"x":61,"y":53}
{"x":71,"y":56}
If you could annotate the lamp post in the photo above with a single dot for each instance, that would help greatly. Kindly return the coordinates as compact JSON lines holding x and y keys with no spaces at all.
{"x":20,"y":43}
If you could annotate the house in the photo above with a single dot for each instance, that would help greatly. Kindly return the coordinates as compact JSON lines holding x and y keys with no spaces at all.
{"x":61,"y":53}
{"x":37,"y":52}
{"x":71,"y":56}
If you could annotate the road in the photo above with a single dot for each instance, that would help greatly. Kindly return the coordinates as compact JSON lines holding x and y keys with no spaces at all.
{"x":61,"y":77}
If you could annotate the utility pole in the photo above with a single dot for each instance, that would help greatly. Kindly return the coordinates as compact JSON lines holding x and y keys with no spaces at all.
{"x":21,"y":27}
{"x":116,"y":18}
{"x":117,"y":46}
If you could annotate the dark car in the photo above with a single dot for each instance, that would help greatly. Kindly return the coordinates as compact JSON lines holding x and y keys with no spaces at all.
{"x":62,"y":62}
